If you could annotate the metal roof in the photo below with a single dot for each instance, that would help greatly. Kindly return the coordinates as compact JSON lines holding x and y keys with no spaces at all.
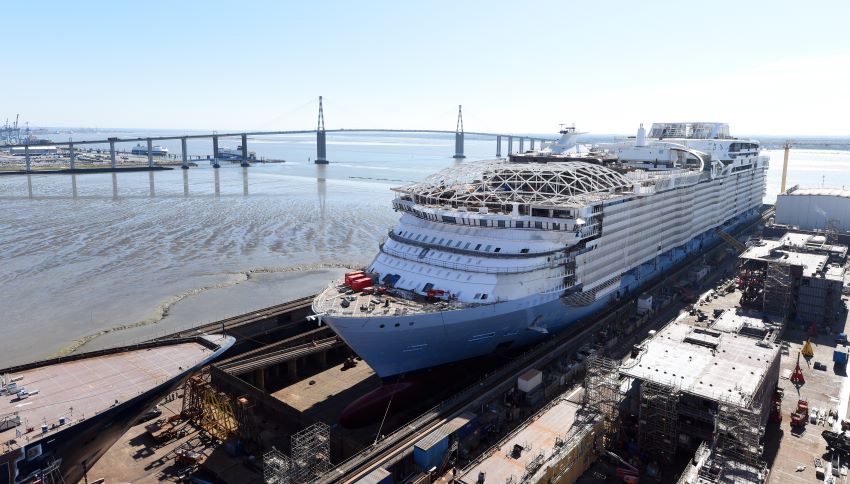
{"x":570,"y":183}
{"x":832,"y":192}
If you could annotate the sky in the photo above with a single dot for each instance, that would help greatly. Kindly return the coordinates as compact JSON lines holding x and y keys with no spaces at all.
{"x":772,"y":68}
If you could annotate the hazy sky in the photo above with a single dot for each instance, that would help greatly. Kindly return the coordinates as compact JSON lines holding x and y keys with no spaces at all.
{"x":764,"y":67}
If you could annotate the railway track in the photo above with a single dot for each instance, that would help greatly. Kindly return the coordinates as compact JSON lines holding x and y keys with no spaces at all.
{"x":396,"y":445}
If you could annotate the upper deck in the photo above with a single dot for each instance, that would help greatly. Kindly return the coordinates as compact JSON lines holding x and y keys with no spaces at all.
{"x":81,"y":388}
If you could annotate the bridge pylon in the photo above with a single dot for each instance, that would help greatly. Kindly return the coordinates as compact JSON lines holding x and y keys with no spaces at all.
{"x":321,"y":147}
{"x":459,"y":134}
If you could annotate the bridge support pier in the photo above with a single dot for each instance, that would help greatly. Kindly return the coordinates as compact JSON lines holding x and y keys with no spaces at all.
{"x":245,"y":151}
{"x":112,"y":153}
{"x":183,"y":154}
{"x":510,"y":145}
{"x":150,"y":153}
{"x":498,"y":146}
{"x":321,"y":153}
{"x":72,"y":155}
{"x":27,"y":158}
{"x":521,"y":143}
{"x":532,"y":144}
{"x":215,"y":153}
{"x":459,"y":146}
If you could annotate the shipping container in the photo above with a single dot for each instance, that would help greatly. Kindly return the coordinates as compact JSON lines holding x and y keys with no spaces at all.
{"x":358,"y":284}
{"x":431,"y":450}
{"x":839,"y":357}
{"x":350,"y":276}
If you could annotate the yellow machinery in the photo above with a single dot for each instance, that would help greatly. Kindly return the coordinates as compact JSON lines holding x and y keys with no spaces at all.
{"x":785,"y":167}
{"x":807,"y":350}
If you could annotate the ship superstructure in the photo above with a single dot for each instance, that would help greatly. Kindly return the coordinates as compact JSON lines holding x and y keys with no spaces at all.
{"x":496,"y":254}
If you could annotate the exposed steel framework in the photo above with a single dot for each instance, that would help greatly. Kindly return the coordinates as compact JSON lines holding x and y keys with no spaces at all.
{"x":564,"y":184}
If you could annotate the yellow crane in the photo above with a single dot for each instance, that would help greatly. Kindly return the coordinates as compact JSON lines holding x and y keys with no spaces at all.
{"x":731,"y":240}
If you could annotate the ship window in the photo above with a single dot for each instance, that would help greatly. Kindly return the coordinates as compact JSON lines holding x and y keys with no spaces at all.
{"x":433,"y":239}
{"x":441,"y":241}
{"x":520,"y":224}
{"x":483,"y":296}
{"x":477,"y":295}
{"x":467,"y":245}
{"x":449,"y":242}
{"x":501,"y":223}
{"x":469,"y":260}
{"x":524,"y":251}
{"x":458,"y":243}
{"x":487,"y":249}
{"x":469,"y":277}
{"x":381,"y":326}
{"x":477,"y":247}
{"x":497,"y":249}
{"x":539,"y":225}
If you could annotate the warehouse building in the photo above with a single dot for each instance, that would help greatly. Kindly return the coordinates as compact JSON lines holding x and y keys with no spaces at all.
{"x":820,"y":209}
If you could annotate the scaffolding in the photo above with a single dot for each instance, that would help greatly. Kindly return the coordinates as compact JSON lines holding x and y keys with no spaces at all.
{"x":277,"y":467}
{"x":659,"y":419}
{"x":311,"y":457}
{"x":777,"y":289}
{"x":736,"y":451}
{"x":216,"y":412}
{"x":602,"y":394}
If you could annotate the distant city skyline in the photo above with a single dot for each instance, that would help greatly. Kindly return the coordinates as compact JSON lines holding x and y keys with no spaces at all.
{"x":772,"y":68}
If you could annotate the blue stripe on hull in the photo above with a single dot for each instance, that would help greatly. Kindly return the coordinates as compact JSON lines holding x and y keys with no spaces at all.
{"x":393,"y":345}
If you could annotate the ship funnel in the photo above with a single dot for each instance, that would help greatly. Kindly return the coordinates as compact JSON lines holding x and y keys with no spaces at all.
{"x":641,"y":136}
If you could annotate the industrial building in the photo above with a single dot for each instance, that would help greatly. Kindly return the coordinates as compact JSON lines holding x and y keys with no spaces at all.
{"x":696,"y":383}
{"x":819,"y":209}
{"x":799,"y":275}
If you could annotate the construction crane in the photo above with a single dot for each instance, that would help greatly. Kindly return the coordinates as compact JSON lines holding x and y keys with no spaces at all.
{"x":731,"y":240}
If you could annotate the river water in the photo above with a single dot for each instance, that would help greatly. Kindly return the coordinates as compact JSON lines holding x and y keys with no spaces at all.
{"x":97,"y":260}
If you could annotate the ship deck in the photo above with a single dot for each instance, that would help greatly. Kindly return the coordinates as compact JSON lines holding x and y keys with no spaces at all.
{"x":81,"y":388}
{"x":373,"y":305}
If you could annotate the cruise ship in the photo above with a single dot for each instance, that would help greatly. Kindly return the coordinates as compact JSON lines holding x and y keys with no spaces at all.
{"x":499,"y":254}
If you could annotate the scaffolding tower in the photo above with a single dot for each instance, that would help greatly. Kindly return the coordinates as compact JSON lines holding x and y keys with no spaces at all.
{"x":214,"y":411}
{"x":736,"y":450}
{"x":311,"y":456}
{"x":277,"y":467}
{"x":659,"y":420}
{"x":777,"y":289}
{"x":602,"y":394}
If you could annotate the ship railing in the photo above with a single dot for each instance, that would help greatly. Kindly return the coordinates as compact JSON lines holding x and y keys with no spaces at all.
{"x":473,"y":253}
{"x":473,"y":267}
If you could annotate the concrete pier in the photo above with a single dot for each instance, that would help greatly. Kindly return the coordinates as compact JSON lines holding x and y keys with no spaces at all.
{"x":150,"y":152}
{"x":245,"y":150}
{"x":498,"y":146}
{"x":510,"y":144}
{"x":73,"y":157}
{"x":321,"y":153}
{"x":521,"y":143}
{"x":532,"y":144}
{"x":185,"y":164}
{"x":215,"y":153}
{"x":27,"y":157}
{"x":459,"y":146}
{"x":112,"y":153}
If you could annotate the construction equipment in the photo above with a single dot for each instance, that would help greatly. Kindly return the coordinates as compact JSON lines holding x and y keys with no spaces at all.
{"x":741,"y":248}
{"x":800,"y":416}
{"x":776,"y":405}
{"x":797,"y":377}
{"x":807,"y":350}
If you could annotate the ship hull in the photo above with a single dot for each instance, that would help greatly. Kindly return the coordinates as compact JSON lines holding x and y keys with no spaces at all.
{"x":394,"y":345}
{"x":78,"y":447}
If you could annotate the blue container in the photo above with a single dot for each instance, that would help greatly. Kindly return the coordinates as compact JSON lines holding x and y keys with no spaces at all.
{"x":839,"y":357}
{"x":430,"y":453}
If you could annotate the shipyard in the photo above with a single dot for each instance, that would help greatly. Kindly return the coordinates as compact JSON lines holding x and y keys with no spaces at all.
{"x":442,"y":243}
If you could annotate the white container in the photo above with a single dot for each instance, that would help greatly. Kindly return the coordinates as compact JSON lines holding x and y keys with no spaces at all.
{"x":529,"y":380}
{"x":644,"y":304}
